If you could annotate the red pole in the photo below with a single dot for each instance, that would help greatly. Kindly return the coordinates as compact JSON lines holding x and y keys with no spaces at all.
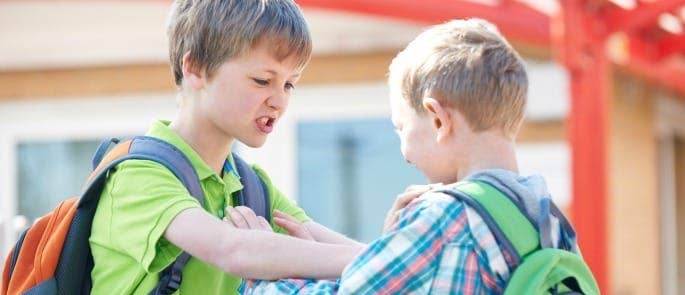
{"x":581,"y":48}
{"x":588,"y":134}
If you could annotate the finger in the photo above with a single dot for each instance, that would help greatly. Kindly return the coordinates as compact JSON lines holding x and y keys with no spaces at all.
{"x":237,"y":218}
{"x":403,"y":199}
{"x":264,"y":224}
{"x":390,"y":221}
{"x":415,"y":187}
{"x":400,"y":202}
{"x":228,"y":221}
{"x":434,"y":185}
{"x":393,"y":216}
{"x":406,"y":198}
{"x":293,"y":228}
{"x":285,"y":216}
{"x":249,"y":216}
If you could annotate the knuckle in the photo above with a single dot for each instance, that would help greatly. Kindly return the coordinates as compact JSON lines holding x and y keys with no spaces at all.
{"x":245,"y":210}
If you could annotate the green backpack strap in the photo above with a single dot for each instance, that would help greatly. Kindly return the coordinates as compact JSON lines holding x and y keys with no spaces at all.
{"x":536,"y":270}
{"x":512,"y":230}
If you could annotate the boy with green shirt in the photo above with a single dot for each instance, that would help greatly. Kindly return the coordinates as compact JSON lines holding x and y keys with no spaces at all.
{"x":235,"y":63}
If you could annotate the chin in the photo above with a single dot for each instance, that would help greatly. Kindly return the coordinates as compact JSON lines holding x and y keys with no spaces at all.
{"x":255,"y":143}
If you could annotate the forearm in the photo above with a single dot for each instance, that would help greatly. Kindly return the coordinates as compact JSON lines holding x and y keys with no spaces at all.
{"x":265,"y":255}
{"x":254,"y":253}
{"x":325,"y":235}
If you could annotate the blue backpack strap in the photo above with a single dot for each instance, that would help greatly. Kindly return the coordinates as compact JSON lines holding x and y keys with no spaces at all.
{"x":156,"y":150}
{"x":102,"y":150}
{"x":162,"y":152}
{"x":254,"y":194}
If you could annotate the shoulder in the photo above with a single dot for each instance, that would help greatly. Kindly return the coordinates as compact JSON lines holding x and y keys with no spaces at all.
{"x":137,"y":176}
{"x":434,"y":203}
{"x":261,"y":173}
{"x":456,"y":221}
{"x":433,"y":211}
{"x":141,"y":168}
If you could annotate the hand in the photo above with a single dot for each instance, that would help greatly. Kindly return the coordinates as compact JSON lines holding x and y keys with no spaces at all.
{"x":243,"y":217}
{"x":402,"y":200}
{"x":292,"y":225}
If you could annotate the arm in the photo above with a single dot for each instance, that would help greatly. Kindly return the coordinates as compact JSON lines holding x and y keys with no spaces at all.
{"x":430,"y":250}
{"x":254,"y":254}
{"x":286,"y":208}
{"x":404,"y":260}
{"x":323,"y":234}
{"x":308,"y":230}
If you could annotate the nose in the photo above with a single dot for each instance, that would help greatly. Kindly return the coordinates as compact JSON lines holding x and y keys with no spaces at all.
{"x":278,"y":100}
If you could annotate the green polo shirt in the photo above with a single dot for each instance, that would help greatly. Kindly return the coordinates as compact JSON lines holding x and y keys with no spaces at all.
{"x":139,"y":201}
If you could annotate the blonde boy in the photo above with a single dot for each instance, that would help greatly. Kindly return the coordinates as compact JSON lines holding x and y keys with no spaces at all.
{"x":235,"y":63}
{"x":458,"y":93}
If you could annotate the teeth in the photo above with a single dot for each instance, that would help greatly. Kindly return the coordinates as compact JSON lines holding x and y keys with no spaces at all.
{"x":264,"y":120}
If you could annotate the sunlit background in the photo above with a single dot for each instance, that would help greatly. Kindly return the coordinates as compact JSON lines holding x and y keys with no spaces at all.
{"x":75,"y":72}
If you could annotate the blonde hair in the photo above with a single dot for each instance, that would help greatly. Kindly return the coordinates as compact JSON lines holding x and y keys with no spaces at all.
{"x":216,"y":30}
{"x":468,"y":65}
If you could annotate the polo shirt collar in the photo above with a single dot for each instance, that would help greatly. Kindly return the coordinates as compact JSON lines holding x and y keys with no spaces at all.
{"x":160,"y":129}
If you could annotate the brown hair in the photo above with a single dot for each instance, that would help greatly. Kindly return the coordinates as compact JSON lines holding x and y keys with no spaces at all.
{"x":216,"y":30}
{"x":468,"y":65}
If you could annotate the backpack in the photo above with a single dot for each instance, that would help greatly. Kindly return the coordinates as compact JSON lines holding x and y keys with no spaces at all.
{"x":53,"y":256}
{"x":539,"y":268}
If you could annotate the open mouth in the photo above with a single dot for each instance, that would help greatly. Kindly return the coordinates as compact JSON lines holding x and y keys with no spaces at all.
{"x":266,"y":123}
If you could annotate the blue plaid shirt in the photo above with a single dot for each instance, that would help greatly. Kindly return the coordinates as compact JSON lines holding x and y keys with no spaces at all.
{"x":439,"y":245}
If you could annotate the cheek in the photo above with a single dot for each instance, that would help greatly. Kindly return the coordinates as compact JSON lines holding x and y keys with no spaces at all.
{"x":403,"y":149}
{"x":286,"y":103}
{"x":416,"y":146}
{"x":407,"y":146}
{"x":254,"y":99}
{"x":243,"y":103}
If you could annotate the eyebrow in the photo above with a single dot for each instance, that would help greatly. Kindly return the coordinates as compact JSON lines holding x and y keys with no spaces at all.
{"x":276,"y":74}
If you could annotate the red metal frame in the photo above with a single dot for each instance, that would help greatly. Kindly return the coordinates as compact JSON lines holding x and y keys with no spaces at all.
{"x":656,"y":59}
{"x":670,"y":45}
{"x":580,"y":46}
{"x":516,"y":20}
{"x":645,"y":14}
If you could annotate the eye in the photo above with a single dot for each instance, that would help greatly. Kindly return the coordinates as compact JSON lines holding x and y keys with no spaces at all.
{"x":261,"y":82}
{"x":289,"y":86}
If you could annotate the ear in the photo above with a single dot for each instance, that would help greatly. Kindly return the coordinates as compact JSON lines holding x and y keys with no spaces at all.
{"x":442,"y":119}
{"x":192,"y":74}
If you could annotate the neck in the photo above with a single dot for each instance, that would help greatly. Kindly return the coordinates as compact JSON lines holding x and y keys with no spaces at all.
{"x":209,"y":142}
{"x":487,"y":152}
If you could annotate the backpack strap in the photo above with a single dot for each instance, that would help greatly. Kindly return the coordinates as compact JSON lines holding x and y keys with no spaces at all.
{"x":511,"y":227}
{"x":512,"y":230}
{"x":102,"y":150}
{"x":145,"y":148}
{"x":254,"y":194}
{"x":139,"y":148}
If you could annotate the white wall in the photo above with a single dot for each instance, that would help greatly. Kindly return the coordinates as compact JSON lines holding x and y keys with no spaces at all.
{"x":95,"y":117}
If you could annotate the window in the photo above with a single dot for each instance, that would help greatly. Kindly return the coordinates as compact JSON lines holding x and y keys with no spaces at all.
{"x":349,"y":173}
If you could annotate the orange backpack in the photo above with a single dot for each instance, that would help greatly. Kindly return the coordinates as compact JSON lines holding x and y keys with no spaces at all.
{"x":53,"y":256}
